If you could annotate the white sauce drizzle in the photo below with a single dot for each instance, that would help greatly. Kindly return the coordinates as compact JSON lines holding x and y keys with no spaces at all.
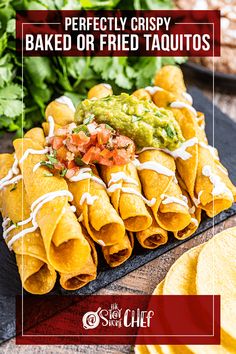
{"x":168,"y":199}
{"x":153,"y":89}
{"x":67,"y":101}
{"x":33,"y":152}
{"x":181,"y":151}
{"x":90,"y":199}
{"x":73,"y":208}
{"x":146,"y":149}
{"x":187,"y":97}
{"x":85,"y":173}
{"x":155,"y":166}
{"x":100,"y":242}
{"x":197,"y":200}
{"x":51,"y":127}
{"x":35,"y":207}
{"x":11,"y":181}
{"x":14,"y":170}
{"x":219,"y":187}
{"x":36,"y":166}
{"x":116,"y":177}
{"x":210,"y":148}
{"x":194,"y":221}
{"x":192,"y":210}
{"x":5,"y":222}
{"x":179,"y":104}
{"x":117,"y":186}
{"x":108,"y":86}
{"x":223,"y":169}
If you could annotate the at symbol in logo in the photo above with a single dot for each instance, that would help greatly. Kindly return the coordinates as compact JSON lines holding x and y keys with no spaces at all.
{"x":91,"y":319}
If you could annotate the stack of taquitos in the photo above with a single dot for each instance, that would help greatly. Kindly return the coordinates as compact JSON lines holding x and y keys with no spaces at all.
{"x":198,"y":164}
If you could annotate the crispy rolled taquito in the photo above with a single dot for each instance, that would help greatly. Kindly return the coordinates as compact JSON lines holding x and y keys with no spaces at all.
{"x":194,"y":212}
{"x":87,"y":273}
{"x":99,"y":217}
{"x":125,"y":190}
{"x":197,"y":162}
{"x":117,"y":254}
{"x":152,"y":237}
{"x":157,"y":175}
{"x":37,"y":275}
{"x":65,"y":245}
{"x":92,"y":203}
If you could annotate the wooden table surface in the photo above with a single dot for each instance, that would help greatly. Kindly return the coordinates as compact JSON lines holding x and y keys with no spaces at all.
{"x":144,"y":279}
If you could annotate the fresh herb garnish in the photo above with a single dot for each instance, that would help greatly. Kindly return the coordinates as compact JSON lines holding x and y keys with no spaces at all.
{"x":81,"y":128}
{"x":52,"y":159}
{"x":135,"y":119}
{"x":63,"y":172}
{"x":107,"y":126}
{"x":89,"y":119}
{"x":78,"y":161}
{"x":48,"y":174}
{"x":47,"y":164}
{"x":14,"y":187}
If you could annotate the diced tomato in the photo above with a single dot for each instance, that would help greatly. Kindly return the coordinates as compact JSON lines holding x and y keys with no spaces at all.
{"x":61,"y":153}
{"x":103,"y":135}
{"x":57,"y":142}
{"x":71,"y":172}
{"x":121,"y":157}
{"x":91,"y":155}
{"x":59,"y":166}
{"x":71,"y":164}
{"x":80,"y":138}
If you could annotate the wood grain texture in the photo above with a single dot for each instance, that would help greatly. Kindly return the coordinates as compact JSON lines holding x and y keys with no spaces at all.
{"x":144,"y":279}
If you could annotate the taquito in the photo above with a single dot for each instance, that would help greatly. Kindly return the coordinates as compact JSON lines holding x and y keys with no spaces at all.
{"x":117,"y":254}
{"x":37,"y":275}
{"x":87,"y":273}
{"x":65,"y":245}
{"x":157,"y":174}
{"x":152,"y":237}
{"x":125,"y":191}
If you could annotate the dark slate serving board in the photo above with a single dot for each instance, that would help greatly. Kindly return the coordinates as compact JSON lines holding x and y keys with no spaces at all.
{"x":224,"y":139}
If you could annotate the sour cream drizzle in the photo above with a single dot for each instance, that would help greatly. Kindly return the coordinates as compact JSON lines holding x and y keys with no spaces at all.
{"x":35,"y":207}
{"x":51,"y":127}
{"x":86,"y":173}
{"x":14,"y":170}
{"x":67,"y":101}
{"x":153,"y":89}
{"x":154,"y":166}
{"x":181,"y":151}
{"x":210,"y":148}
{"x":11,"y":181}
{"x":179,"y":104}
{"x":168,"y":199}
{"x":187,"y":97}
{"x":33,"y":152}
{"x":90,"y":199}
{"x":194,"y":221}
{"x":117,"y":186}
{"x":108,"y":86}
{"x":197,"y":200}
{"x":116,"y":177}
{"x":219,"y":187}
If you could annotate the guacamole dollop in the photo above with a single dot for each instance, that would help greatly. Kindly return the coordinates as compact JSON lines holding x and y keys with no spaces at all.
{"x":141,"y":120}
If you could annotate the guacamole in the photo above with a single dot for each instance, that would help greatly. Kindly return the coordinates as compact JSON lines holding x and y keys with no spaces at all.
{"x":141,"y":120}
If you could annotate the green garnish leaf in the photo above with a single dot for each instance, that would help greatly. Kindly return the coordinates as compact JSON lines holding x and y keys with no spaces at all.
{"x":52,"y":159}
{"x":78,"y":161}
{"x":135,"y":119}
{"x":89,"y":119}
{"x":81,"y":128}
{"x":107,"y":126}
{"x":47,"y":164}
{"x":63,"y":172}
{"x":48,"y":174}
